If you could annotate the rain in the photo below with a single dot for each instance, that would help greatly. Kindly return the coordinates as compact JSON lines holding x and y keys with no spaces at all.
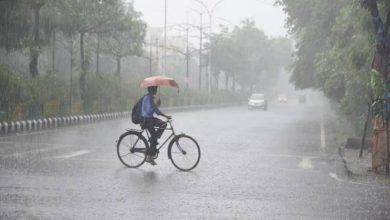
{"x":194,"y":109}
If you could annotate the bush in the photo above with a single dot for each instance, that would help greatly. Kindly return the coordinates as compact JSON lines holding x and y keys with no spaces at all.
{"x":24,"y":98}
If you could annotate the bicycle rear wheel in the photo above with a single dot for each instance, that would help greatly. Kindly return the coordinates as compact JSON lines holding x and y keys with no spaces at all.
{"x":184,"y":152}
{"x":131,"y":149}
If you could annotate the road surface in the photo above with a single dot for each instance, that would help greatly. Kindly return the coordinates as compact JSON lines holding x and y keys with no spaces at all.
{"x":275,"y":164}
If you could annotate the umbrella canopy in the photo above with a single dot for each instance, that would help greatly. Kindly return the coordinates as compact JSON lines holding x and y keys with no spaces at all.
{"x":158,"y":81}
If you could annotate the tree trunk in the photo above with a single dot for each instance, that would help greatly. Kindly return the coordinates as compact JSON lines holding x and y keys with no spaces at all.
{"x":34,"y":55}
{"x":82,"y":55}
{"x":216,"y":82}
{"x":208,"y":80}
{"x":226,"y":81}
{"x":98,"y":54}
{"x":118,"y":66}
{"x":71,"y":79}
{"x":53,"y":52}
{"x":83,"y":70}
{"x":234,"y":82}
{"x":34,"y":48}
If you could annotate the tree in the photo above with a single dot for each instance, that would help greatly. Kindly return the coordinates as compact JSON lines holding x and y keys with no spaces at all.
{"x":223,"y":59}
{"x":335,"y":48}
{"x":310,"y":22}
{"x":127,"y":40}
{"x":14,"y":22}
{"x":245,"y":54}
{"x":22,"y":21}
{"x":89,"y":17}
{"x":36,"y":6}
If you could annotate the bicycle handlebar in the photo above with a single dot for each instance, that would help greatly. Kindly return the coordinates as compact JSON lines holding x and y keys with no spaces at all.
{"x":169,"y":120}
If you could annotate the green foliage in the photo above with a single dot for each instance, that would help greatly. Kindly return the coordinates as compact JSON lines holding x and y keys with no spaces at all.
{"x":376,"y":84}
{"x":310,"y":22}
{"x":126,"y":40}
{"x":247,"y":53}
{"x":122,"y":28}
{"x":78,"y":25}
{"x":335,"y":47}
{"x":14,"y":24}
{"x":49,"y":96}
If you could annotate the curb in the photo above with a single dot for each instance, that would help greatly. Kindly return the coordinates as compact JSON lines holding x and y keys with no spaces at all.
{"x":56,"y":122}
{"x":347,"y":169}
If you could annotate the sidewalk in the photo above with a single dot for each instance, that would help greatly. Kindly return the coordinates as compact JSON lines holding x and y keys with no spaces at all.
{"x":354,"y":164}
{"x":361,"y":168}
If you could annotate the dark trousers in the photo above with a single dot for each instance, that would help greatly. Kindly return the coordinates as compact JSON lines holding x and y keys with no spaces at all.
{"x":156,"y":128}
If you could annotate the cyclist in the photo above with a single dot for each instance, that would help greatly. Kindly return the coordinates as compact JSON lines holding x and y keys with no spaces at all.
{"x":149,"y":107}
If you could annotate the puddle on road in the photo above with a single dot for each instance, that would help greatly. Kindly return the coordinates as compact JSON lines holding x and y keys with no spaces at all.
{"x":306,"y":164}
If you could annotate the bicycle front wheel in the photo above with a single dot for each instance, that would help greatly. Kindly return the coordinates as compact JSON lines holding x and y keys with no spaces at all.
{"x":131,"y":149}
{"x":184,"y":152}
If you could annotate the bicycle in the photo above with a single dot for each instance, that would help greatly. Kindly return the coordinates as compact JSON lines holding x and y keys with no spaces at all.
{"x":183,"y":150}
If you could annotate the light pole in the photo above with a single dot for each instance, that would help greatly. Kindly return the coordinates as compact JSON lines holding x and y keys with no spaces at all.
{"x":210,"y":11}
{"x":186,"y":53}
{"x":165,"y":40}
{"x":200,"y":51}
{"x":200,"y":27}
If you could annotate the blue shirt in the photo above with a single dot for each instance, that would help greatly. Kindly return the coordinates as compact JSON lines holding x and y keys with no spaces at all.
{"x":148,"y":107}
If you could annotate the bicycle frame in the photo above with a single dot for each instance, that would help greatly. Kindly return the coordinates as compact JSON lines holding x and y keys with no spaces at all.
{"x":175,"y":150}
{"x":170,"y":128}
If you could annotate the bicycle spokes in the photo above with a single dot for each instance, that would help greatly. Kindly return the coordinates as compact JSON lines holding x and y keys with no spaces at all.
{"x":185,"y":153}
{"x":131,"y":149}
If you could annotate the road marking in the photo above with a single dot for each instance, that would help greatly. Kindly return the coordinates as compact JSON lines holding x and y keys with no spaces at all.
{"x":334,"y":176}
{"x":93,"y":160}
{"x":50,"y":147}
{"x":33,"y":151}
{"x":27,"y":133}
{"x":306,"y":164}
{"x":290,"y":156}
{"x":74,"y":154}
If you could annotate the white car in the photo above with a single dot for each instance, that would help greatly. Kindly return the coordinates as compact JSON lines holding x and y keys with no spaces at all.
{"x":282,"y":98}
{"x":257,"y":100}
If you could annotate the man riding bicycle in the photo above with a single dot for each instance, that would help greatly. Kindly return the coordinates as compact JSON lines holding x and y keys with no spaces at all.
{"x":154,"y":125}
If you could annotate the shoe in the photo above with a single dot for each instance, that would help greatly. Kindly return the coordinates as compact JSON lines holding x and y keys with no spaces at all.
{"x":153,"y":163}
{"x":150,"y":160}
{"x":154,"y":153}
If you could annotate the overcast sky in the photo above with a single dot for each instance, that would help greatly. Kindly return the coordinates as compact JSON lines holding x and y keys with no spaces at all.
{"x":269,"y":18}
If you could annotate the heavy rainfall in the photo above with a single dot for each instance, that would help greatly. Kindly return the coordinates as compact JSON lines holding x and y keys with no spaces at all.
{"x":194,"y":109}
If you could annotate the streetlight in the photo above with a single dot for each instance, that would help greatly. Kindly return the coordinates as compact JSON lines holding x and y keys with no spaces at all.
{"x":165,"y":40}
{"x":226,"y":21}
{"x":186,"y":53}
{"x":210,"y":11}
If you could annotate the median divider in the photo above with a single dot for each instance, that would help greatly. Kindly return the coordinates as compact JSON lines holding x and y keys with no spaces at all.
{"x":50,"y":123}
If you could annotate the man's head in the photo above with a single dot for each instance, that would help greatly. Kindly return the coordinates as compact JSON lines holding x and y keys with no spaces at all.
{"x":152,"y":90}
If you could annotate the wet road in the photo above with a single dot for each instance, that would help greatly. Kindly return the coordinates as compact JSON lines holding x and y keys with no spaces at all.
{"x":275,"y":164}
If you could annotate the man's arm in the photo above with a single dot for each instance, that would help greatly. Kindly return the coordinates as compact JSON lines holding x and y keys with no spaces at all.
{"x":157,"y":110}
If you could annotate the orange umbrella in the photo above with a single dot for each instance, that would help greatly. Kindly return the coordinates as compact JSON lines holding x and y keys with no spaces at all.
{"x":158,"y":81}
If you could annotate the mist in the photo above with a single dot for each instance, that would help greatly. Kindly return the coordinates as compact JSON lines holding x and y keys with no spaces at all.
{"x":194,"y":109}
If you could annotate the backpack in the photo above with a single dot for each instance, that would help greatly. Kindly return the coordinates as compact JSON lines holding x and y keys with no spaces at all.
{"x":136,"y":113}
